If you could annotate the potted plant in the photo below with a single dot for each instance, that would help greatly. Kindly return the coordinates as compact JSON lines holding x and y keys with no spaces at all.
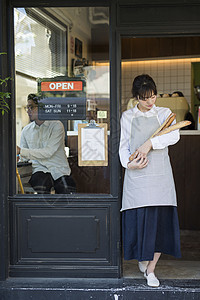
{"x":4,"y":95}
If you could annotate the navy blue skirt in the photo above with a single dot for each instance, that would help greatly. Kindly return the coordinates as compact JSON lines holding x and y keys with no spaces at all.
{"x":151,"y":229}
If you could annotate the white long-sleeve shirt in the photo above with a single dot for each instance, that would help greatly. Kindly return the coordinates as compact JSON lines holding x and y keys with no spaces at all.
{"x":44,"y":146}
{"x":159,"y":142}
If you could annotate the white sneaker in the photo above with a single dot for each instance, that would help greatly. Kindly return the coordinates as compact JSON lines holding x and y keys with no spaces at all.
{"x":152,"y":280}
{"x":143,"y":265}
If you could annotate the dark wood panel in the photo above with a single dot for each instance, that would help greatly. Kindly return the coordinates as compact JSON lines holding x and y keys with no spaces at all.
{"x":66,"y":232}
{"x":192,"y":45}
{"x":133,"y":48}
{"x":126,"y":48}
{"x":152,"y":51}
{"x":139,"y":48}
{"x":64,"y":237}
{"x":179,"y":46}
{"x":192,"y":160}
{"x":177,"y":156}
{"x":165,"y":47}
{"x":63,"y":234}
{"x":185,"y":160}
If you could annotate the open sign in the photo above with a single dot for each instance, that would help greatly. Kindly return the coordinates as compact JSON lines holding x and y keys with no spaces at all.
{"x":61,"y":86}
{"x":62,"y":98}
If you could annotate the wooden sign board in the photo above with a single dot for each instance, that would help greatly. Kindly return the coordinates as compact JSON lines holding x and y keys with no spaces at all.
{"x":92,"y":145}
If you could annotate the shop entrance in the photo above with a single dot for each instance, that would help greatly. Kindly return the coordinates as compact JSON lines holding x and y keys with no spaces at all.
{"x":169,"y":60}
{"x":64,"y":130}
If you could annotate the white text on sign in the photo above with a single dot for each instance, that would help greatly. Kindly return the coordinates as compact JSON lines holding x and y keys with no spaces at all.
{"x":61,"y":85}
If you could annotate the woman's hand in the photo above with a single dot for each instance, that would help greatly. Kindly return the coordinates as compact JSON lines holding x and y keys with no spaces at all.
{"x":138,"y":162}
{"x":144,"y":149}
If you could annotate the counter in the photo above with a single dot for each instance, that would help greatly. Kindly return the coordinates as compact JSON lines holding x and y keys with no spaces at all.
{"x":182,"y":132}
{"x":189,"y":132}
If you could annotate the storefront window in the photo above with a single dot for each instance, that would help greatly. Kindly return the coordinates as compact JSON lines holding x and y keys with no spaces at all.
{"x":62,"y":93}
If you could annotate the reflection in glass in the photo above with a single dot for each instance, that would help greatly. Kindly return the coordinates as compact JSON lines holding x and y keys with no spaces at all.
{"x":61,"y":44}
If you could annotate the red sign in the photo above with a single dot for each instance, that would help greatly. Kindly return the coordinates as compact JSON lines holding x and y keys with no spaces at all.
{"x":61,"y":86}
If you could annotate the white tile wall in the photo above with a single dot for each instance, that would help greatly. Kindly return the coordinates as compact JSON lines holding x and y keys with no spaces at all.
{"x":169,"y":75}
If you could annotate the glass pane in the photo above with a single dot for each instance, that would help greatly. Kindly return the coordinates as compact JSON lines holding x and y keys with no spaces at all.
{"x":62,"y":86}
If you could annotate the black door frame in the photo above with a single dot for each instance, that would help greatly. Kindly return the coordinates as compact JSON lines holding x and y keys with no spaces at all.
{"x":125,"y":21}
{"x":101,"y":208}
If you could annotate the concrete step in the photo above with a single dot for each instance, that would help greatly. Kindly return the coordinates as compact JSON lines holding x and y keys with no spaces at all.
{"x":98,"y":289}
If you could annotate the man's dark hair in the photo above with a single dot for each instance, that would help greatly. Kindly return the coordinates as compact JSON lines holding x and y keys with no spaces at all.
{"x":33,"y":97}
{"x":143,"y":87}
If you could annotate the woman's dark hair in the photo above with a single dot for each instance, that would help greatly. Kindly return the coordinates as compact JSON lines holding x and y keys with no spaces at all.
{"x":33,"y":97}
{"x":143,"y":87}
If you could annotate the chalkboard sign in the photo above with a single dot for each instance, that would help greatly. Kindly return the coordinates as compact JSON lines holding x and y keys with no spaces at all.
{"x":61,"y":98}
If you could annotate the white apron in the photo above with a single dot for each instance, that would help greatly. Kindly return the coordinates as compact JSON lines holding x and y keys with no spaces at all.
{"x":154,"y":184}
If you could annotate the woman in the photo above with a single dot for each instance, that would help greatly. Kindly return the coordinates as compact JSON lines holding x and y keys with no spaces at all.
{"x":149,"y":214}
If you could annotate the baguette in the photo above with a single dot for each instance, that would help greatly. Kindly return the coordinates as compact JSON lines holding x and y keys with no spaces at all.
{"x":170,"y":121}
{"x":174,"y":127}
{"x":164,"y":124}
{"x":166,"y":130}
{"x":132,"y":156}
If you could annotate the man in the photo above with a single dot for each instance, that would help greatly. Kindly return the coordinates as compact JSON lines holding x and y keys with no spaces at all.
{"x":42,"y":142}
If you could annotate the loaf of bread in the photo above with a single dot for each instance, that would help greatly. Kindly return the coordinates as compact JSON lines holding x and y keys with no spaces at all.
{"x":173,"y":127}
{"x":166,"y":129}
{"x":165,"y":124}
{"x":172,"y":118}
